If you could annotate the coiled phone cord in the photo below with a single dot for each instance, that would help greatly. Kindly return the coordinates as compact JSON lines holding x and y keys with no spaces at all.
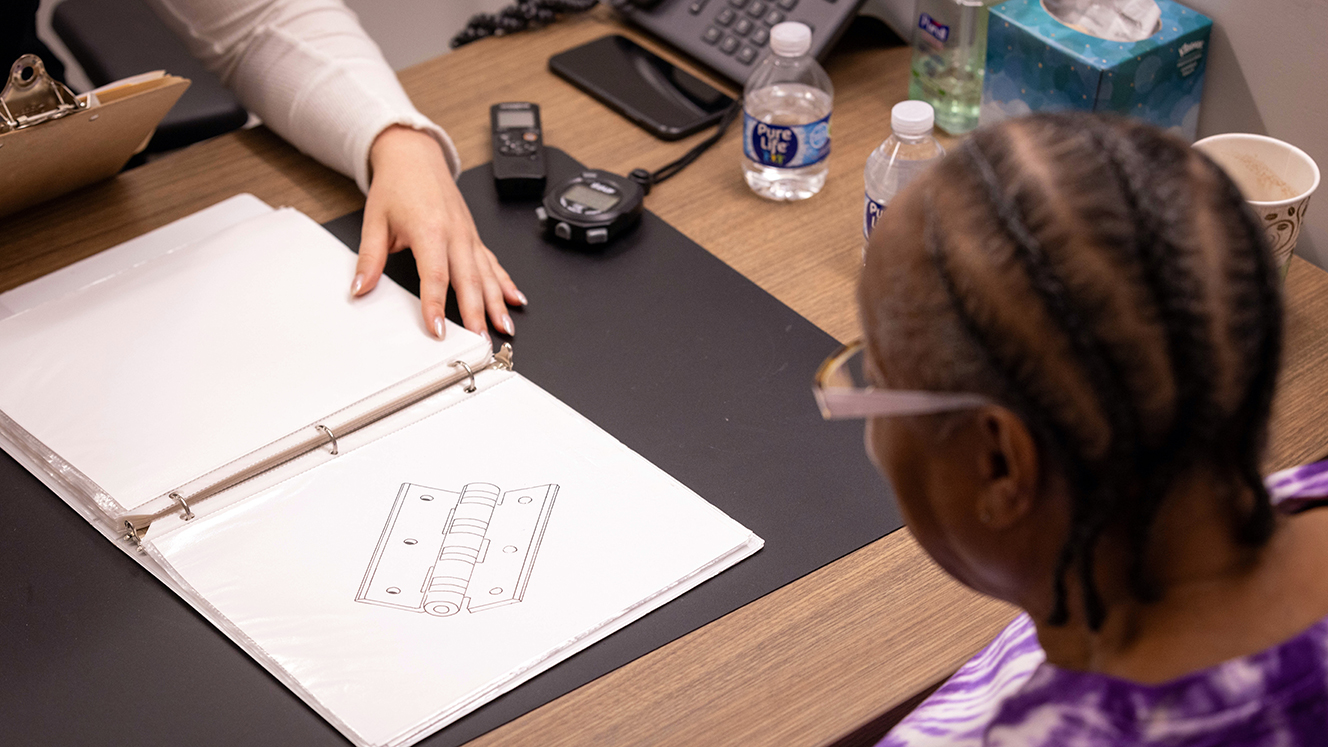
{"x":518,"y":16}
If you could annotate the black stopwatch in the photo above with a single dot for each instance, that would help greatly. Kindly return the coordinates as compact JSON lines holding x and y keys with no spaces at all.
{"x":595,"y":206}
{"x":591,"y":207}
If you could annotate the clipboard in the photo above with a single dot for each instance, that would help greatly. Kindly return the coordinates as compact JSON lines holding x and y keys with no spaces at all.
{"x":53,"y":142}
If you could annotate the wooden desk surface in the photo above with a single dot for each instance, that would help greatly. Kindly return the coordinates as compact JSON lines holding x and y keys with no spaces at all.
{"x":825,"y":659}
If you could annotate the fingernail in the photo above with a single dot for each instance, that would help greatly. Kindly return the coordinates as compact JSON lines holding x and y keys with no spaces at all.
{"x":522,"y":298}
{"x":356,"y":284}
{"x":438,"y":327}
{"x":507,"y":325}
{"x":485,"y":334}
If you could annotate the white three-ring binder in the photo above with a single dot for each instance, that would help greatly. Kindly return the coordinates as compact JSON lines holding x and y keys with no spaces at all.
{"x":397,"y":528}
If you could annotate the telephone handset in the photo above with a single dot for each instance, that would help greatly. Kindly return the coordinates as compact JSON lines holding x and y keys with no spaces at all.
{"x":733,"y":36}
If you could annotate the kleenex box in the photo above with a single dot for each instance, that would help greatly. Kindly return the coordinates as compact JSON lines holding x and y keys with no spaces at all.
{"x":1037,"y":63}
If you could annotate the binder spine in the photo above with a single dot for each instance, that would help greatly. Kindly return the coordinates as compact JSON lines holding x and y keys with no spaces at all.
{"x":322,"y":436}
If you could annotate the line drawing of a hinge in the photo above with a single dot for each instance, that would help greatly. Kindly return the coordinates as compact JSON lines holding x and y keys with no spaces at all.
{"x":443,"y":551}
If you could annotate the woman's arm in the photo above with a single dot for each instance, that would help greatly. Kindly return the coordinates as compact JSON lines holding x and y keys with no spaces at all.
{"x":307,"y":68}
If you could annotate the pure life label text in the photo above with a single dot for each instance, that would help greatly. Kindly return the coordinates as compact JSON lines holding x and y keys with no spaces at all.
{"x":786,"y":146}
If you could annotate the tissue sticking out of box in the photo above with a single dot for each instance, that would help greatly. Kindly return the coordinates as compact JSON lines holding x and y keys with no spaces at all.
{"x":1113,"y":20}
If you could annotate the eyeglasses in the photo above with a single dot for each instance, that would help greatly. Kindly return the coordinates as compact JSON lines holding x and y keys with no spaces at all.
{"x":843,"y":393}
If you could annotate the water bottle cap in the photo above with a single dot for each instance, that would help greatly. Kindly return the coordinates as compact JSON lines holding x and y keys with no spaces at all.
{"x":790,"y":39}
{"x":912,"y":118}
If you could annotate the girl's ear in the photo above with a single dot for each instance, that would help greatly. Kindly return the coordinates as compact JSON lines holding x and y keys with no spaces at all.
{"x":1007,"y":466}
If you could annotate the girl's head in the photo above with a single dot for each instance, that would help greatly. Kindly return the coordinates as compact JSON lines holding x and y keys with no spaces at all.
{"x":1108,"y":287}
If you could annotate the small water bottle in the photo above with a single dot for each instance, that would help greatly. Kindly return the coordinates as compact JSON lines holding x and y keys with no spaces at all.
{"x":786,"y":119}
{"x":908,"y":151}
{"x":949,"y":58}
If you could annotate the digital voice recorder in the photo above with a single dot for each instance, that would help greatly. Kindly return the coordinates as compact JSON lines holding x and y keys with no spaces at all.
{"x":518,"y":150}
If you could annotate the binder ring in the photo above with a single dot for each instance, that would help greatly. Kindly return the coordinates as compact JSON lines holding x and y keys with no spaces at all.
{"x":330,"y":435}
{"x":470,"y":384}
{"x":188,"y":512}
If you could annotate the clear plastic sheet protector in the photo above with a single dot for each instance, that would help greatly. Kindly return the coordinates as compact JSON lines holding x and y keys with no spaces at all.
{"x":293,"y":571}
{"x":153,"y":376}
{"x":150,"y":245}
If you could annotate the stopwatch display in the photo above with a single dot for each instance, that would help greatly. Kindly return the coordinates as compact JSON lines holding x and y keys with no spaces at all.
{"x":591,"y":207}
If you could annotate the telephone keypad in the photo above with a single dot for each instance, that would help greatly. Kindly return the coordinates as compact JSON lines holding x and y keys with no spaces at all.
{"x":744,"y":18}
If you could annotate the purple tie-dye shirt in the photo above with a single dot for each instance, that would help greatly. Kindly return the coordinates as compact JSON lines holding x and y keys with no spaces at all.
{"x":1009,"y":695}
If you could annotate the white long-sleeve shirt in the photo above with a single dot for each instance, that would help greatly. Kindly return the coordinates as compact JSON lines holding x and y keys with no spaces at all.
{"x":308,"y":69}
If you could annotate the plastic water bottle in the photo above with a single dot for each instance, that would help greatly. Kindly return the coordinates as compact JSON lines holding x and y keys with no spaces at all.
{"x":908,"y":151}
{"x":786,"y":119}
{"x":949,"y":58}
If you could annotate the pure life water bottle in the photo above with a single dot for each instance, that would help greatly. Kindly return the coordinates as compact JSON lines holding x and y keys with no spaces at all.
{"x":908,"y":151}
{"x":786,"y":119}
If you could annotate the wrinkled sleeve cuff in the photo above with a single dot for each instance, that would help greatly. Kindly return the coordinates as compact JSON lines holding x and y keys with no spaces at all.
{"x":416,"y":121}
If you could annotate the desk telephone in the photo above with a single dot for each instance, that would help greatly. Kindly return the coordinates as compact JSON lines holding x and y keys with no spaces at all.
{"x":732,"y":36}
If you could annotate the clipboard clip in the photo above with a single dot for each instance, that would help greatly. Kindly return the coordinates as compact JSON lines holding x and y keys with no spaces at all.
{"x":31,"y":96}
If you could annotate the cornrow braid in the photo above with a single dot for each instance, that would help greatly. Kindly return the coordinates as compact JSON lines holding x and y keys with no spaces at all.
{"x":1263,"y":332}
{"x":1174,"y":291}
{"x":1016,"y":388}
{"x":1130,"y":422}
{"x":1094,"y":499}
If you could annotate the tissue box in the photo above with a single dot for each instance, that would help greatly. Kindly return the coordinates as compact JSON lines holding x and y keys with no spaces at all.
{"x":1037,"y":63}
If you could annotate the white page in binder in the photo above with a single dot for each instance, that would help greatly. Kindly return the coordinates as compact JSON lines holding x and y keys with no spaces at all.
{"x":152,"y":376}
{"x":174,"y":235}
{"x":317,"y":573}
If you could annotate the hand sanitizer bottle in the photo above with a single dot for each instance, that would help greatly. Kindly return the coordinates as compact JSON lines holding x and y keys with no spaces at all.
{"x":949,"y":57}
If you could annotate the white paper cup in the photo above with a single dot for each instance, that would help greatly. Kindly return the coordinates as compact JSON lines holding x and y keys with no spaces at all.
{"x":1276,"y":178}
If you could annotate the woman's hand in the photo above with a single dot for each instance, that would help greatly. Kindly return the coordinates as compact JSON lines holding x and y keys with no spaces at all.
{"x":414,"y":203}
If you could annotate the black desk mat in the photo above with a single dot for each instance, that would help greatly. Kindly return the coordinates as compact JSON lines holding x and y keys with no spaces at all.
{"x":654,"y":339}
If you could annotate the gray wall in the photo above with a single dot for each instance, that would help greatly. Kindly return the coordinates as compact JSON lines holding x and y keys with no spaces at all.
{"x":411,"y":31}
{"x":1268,"y":74}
